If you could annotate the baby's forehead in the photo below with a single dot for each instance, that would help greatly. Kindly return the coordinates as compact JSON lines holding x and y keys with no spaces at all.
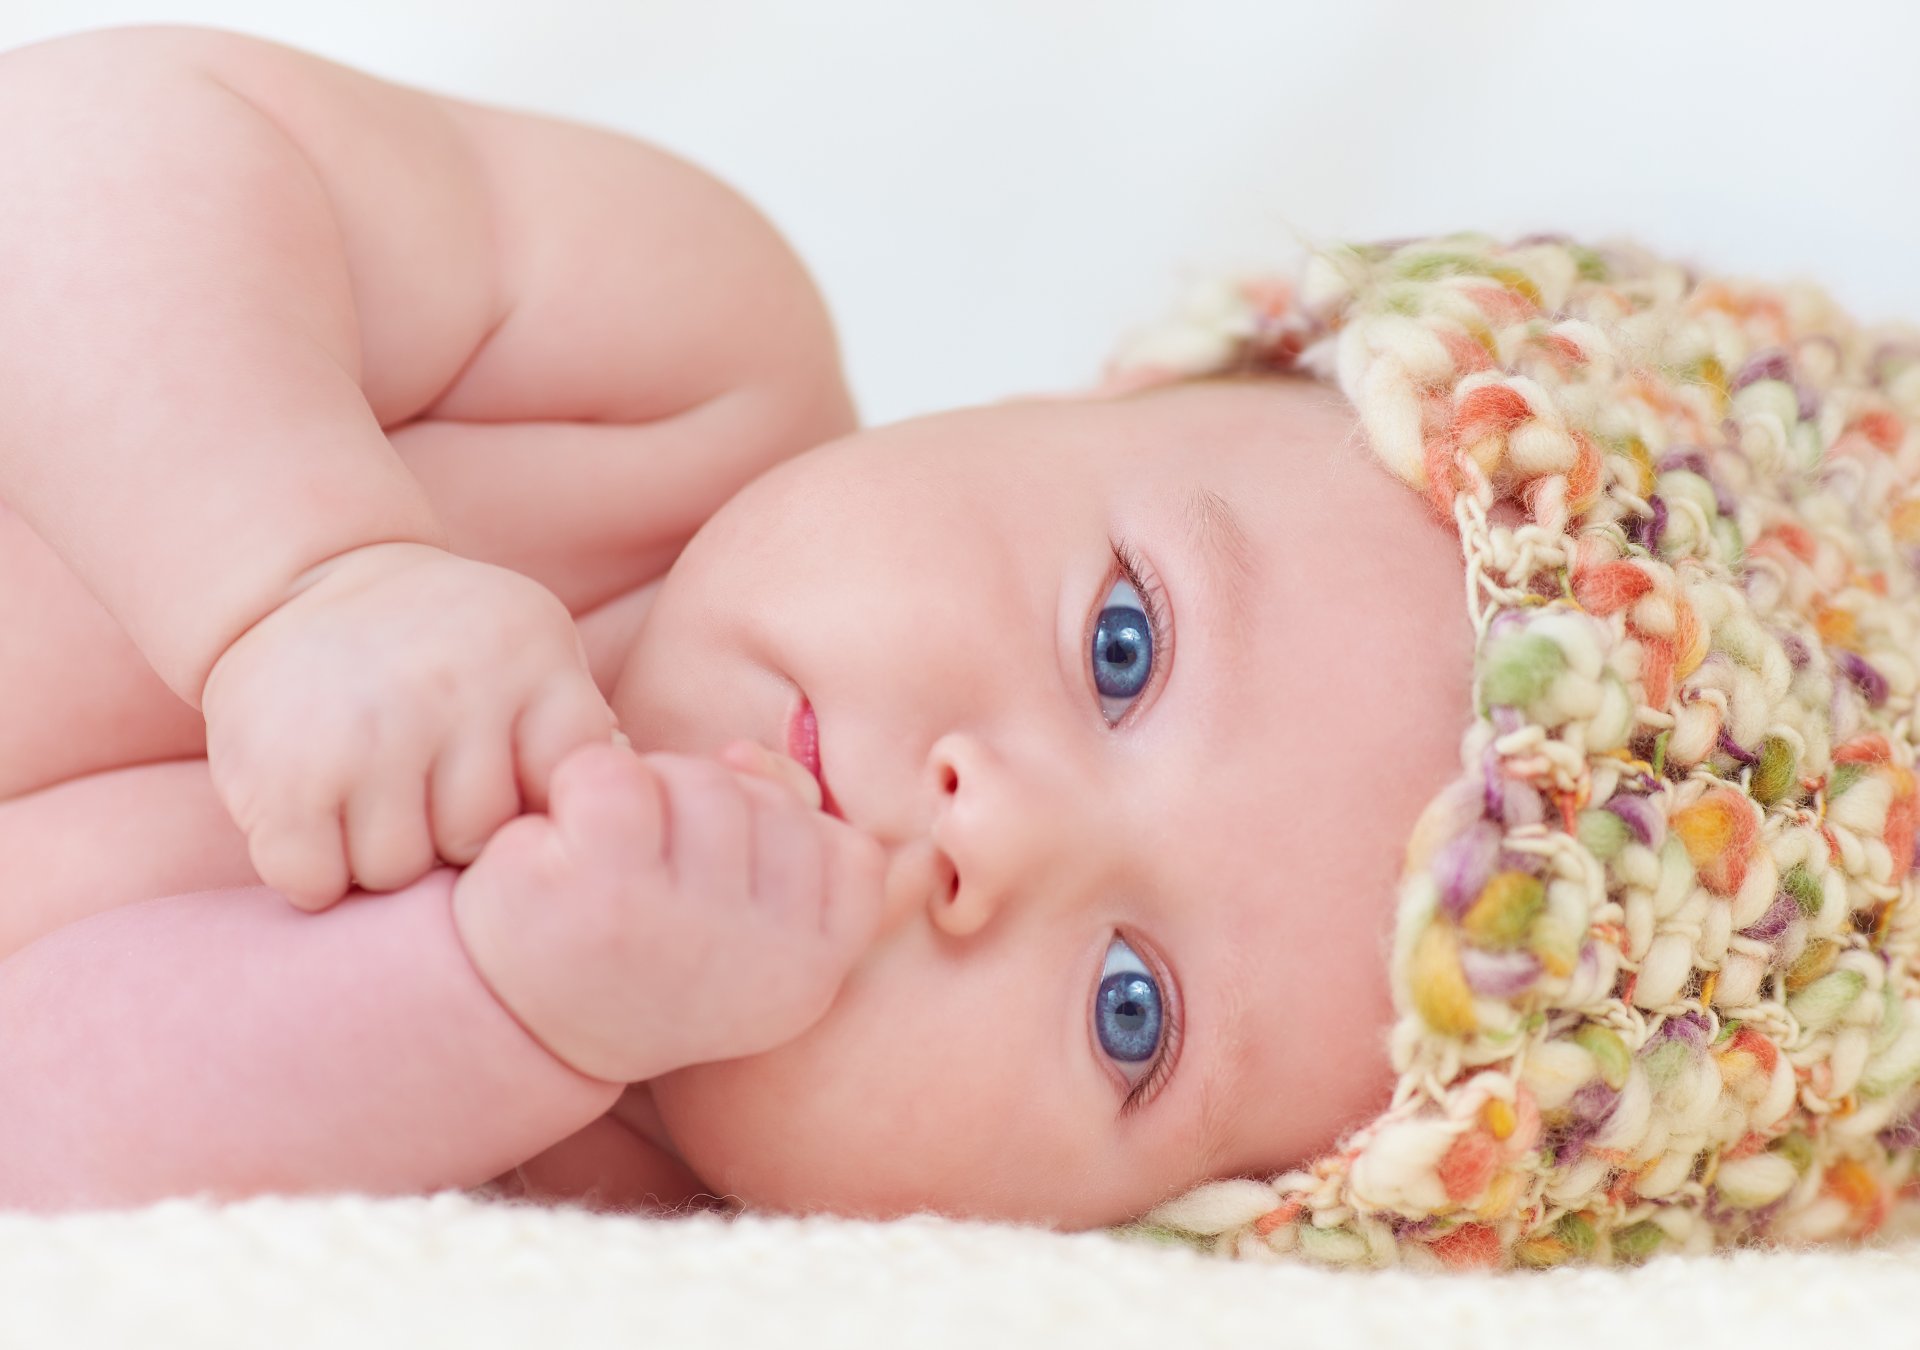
{"x":1299,"y":382}
{"x":1274,"y":435}
{"x":1273,"y":438}
{"x":1283,"y":416}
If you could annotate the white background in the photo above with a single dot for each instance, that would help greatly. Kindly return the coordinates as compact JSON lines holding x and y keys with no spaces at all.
{"x":992,"y":191}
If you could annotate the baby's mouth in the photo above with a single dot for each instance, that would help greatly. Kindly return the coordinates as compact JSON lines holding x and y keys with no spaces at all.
{"x":803,"y":745}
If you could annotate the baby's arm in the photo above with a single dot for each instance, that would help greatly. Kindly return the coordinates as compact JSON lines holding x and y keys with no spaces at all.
{"x":183,"y":347}
{"x":238,"y":264}
{"x":232,"y":264}
{"x":181,"y":344}
{"x":225,"y":1043}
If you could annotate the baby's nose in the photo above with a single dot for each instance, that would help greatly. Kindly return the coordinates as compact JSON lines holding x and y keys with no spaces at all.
{"x":1001,"y":827}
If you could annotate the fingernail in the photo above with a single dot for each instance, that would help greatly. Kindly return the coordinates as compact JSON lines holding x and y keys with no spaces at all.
{"x":746,"y":756}
{"x":620,"y":739}
{"x":754,"y":758}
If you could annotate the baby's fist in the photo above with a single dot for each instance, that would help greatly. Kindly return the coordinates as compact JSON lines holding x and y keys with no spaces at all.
{"x":396,"y":708}
{"x":668,"y":911}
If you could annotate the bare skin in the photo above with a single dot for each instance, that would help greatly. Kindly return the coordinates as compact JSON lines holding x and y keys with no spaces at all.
{"x":1000,"y":821}
{"x":534,"y":407}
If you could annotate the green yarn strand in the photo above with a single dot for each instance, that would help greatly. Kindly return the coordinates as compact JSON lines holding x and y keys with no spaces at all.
{"x":1519,"y":668}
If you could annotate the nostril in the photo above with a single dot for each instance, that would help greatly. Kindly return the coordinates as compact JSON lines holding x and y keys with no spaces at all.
{"x":949,"y":878}
{"x":949,"y":780}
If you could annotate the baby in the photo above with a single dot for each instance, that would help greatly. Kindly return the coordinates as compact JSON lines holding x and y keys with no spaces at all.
{"x":368,"y":424}
{"x":1063,"y":811}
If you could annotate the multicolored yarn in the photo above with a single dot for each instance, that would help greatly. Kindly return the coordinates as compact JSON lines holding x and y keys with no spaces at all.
{"x":1655,"y":955}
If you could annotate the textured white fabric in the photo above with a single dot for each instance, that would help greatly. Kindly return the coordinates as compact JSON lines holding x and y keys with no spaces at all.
{"x":450,"y":1271}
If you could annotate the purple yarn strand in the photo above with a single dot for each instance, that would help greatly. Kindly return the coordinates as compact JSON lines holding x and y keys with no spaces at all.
{"x":1464,"y":864}
{"x":1771,"y":364}
{"x":1870,"y":682}
{"x":1774,"y":922}
{"x":1498,"y":974}
{"x":1640,"y":817}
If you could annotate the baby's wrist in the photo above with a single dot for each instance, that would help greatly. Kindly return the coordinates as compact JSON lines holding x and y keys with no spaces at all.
{"x":356,"y":563}
{"x":374,"y":559}
{"x":530,"y":991}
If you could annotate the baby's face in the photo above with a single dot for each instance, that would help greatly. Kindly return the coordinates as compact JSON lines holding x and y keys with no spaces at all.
{"x":1140,"y":888}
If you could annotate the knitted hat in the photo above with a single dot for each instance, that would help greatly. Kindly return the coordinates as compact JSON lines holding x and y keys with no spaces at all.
{"x":1654,"y":959}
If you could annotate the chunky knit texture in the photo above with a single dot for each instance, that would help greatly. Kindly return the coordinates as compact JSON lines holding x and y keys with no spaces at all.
{"x":1654,"y":960}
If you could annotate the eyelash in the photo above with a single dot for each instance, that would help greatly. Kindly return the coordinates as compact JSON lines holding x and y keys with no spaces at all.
{"x":1144,"y":581}
{"x":1148,"y":1088}
{"x":1154,"y":596}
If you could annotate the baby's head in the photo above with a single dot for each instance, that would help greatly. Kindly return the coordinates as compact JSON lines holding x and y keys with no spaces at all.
{"x":1643,"y":756}
{"x":1140,"y":886}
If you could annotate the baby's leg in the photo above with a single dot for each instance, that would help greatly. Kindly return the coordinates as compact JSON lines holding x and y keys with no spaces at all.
{"x":109,"y":839}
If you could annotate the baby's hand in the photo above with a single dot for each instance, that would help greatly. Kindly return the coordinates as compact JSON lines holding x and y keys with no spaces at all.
{"x":399,"y":706}
{"x":670,"y":910}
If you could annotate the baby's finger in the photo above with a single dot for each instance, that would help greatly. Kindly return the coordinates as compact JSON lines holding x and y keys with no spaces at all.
{"x":856,"y":867}
{"x":566,"y":714}
{"x":472,"y":792}
{"x":389,"y":843}
{"x":303,"y":858}
{"x":753,"y":758}
{"x":788,"y":859}
{"x":607,"y":798}
{"x":705,"y":831}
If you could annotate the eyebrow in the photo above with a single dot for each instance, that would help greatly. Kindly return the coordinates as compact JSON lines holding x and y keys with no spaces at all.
{"x":1228,"y":550}
{"x":1222,"y":1093}
{"x":1228,"y":558}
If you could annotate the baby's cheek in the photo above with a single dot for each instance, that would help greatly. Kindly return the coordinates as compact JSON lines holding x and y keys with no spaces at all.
{"x":899,"y":1101}
{"x":741,"y":1126}
{"x":754,"y":1133}
{"x":825,"y":1122}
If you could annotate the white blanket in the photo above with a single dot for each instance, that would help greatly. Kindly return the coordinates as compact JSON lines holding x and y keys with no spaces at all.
{"x":452,"y":1271}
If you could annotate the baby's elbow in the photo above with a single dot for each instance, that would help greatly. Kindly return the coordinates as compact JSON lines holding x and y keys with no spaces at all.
{"x":805,"y":406}
{"x":148,"y":45}
{"x":794,"y":373}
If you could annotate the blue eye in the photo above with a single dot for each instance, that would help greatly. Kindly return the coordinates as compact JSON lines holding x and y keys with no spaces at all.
{"x":1127,"y":1012}
{"x":1122,"y":649}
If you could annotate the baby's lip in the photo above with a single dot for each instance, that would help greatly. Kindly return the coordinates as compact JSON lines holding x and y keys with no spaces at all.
{"x":803,"y":745}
